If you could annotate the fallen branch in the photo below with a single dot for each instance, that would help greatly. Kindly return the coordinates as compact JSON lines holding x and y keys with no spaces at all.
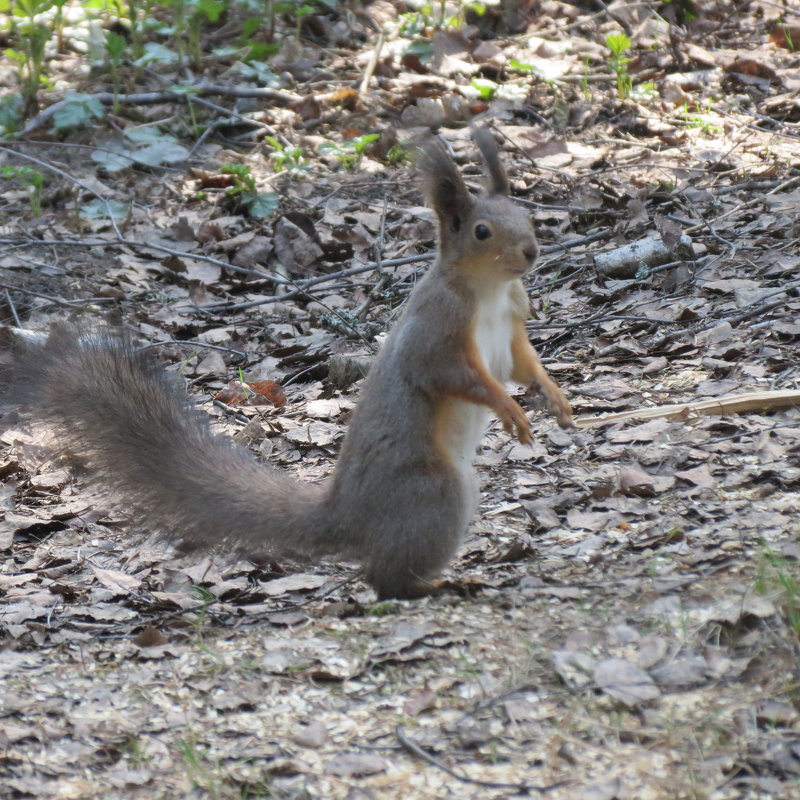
{"x":627,"y":260}
{"x":149,"y":98}
{"x":519,"y":788}
{"x":730,"y":404}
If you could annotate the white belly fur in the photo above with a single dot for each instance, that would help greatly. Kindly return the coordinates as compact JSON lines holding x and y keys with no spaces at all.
{"x":493,"y":331}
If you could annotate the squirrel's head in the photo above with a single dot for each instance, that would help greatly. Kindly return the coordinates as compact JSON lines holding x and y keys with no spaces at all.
{"x":487,"y":237}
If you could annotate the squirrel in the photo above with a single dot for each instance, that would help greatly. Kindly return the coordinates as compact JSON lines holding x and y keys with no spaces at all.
{"x":403,"y":489}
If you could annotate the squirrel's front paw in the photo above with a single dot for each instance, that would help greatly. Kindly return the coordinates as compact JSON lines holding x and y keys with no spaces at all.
{"x":514,"y":420}
{"x":557,"y":404}
{"x":563,"y":412}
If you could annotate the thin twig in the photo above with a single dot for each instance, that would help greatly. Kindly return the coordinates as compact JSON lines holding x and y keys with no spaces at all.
{"x":150,"y":98}
{"x":13,"y":308}
{"x":190,"y":343}
{"x":57,"y":300}
{"x":621,"y":21}
{"x":71,"y":178}
{"x":361,"y":311}
{"x":415,"y":750}
{"x":303,"y":286}
{"x":371,"y":64}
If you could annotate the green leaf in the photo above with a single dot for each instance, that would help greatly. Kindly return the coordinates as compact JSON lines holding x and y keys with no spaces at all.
{"x":421,"y":48}
{"x":78,"y":110}
{"x":97,"y":209}
{"x":24,"y":174}
{"x":260,"y":50}
{"x":251,"y":26}
{"x":115,"y":45}
{"x":211,"y":9}
{"x":359,"y":143}
{"x":11,"y":112}
{"x":161,"y":153}
{"x":155,"y":53}
{"x":262,"y":205}
{"x":486,"y":88}
{"x":148,"y":134}
{"x":15,"y":55}
{"x":258,"y":70}
{"x":329,"y":149}
{"x":618,"y":43}
{"x":113,"y":161}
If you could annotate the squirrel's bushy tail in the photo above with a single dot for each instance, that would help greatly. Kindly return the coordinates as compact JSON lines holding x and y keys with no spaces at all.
{"x":156,"y":453}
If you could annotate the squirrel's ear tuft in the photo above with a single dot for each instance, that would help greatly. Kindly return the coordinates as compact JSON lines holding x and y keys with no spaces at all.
{"x":444,"y":188}
{"x":499,"y":179}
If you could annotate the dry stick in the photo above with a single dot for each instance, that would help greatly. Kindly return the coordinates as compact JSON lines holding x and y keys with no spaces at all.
{"x":706,"y":224}
{"x":729,"y":404}
{"x":591,"y":320}
{"x":754,"y":311}
{"x":209,"y":259}
{"x":198,"y":345}
{"x":169,"y":250}
{"x":69,"y":177}
{"x":13,"y":309}
{"x":361,"y":311}
{"x":189,"y":254}
{"x":217,"y":123}
{"x":56,"y":300}
{"x":723,"y":113}
{"x":415,"y":750}
{"x":600,"y":317}
{"x":621,"y":21}
{"x":782,"y":6}
{"x":302,"y":286}
{"x":787,"y":184}
{"x":743,"y":433}
{"x":371,"y":64}
{"x":582,"y":20}
{"x":150,"y":98}
{"x":746,"y":186}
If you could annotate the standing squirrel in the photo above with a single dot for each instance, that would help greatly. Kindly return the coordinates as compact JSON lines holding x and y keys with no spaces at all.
{"x":403,"y":490}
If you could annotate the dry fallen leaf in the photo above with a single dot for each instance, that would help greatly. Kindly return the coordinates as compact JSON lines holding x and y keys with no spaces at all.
{"x":149,"y":636}
{"x":624,"y":681}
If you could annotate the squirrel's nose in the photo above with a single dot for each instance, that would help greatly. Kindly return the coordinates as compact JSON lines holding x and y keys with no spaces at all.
{"x":531,"y":251}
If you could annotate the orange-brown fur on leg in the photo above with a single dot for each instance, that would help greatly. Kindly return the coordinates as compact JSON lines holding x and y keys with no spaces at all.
{"x":486,"y":390}
{"x":528,"y":369}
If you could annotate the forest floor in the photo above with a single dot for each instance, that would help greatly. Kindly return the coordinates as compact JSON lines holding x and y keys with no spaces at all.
{"x":633,"y":620}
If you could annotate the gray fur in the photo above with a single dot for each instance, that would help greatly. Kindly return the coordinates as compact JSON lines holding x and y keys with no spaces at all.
{"x":399,"y":500}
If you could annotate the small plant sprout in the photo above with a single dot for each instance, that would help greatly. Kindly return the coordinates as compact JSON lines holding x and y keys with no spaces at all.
{"x":32,"y":179}
{"x":485,"y":88}
{"x":244,"y":193}
{"x":702,"y":119}
{"x":619,"y":44}
{"x":115,"y":47}
{"x":33,"y":35}
{"x":398,"y":154}
{"x":586,"y":90}
{"x":349,"y":153}
{"x":287,"y":157}
{"x":206,"y":598}
{"x":779,"y":578}
{"x":299,"y":15}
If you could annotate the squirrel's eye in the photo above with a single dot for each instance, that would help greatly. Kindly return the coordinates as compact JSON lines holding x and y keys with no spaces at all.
{"x":482,"y":232}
